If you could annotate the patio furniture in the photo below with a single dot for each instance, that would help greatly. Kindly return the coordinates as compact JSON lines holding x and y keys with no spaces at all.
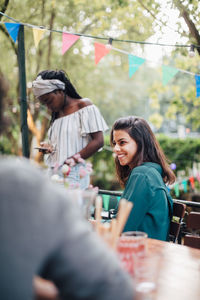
{"x":177,"y":219}
{"x":192,"y":239}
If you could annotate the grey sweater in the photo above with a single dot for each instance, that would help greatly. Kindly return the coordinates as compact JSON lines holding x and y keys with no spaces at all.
{"x":43,"y":232}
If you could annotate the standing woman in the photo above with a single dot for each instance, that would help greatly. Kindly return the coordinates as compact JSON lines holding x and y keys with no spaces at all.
{"x":143,"y":170}
{"x":76,"y":128}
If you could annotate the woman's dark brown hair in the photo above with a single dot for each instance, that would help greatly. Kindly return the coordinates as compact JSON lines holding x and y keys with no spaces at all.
{"x":148,"y":148}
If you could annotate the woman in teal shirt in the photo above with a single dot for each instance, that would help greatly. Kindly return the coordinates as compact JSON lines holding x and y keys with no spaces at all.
{"x":143,"y":170}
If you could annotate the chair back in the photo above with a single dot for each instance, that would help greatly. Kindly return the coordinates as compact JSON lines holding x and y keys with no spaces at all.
{"x":179,"y":210}
{"x":192,"y":239}
{"x":177,"y":218}
{"x":193,"y":220}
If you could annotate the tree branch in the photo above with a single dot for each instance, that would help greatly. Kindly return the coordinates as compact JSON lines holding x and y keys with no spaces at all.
{"x":191,"y":26}
{"x":160,"y":22}
{"x":4,"y":7}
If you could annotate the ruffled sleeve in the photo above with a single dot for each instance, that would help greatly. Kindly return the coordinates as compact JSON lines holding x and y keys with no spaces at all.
{"x":91,"y":120}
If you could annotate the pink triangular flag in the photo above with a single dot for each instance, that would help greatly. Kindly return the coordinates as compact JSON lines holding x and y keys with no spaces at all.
{"x":68,"y":40}
{"x":198,"y":177}
{"x":100,"y":51}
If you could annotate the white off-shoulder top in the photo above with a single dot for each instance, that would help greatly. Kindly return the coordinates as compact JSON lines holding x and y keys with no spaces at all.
{"x":71,"y":133}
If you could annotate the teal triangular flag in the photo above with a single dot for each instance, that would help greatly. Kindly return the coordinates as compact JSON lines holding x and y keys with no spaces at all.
{"x":168,"y":73}
{"x":12,"y":29}
{"x":134,"y":63}
{"x":106,"y":199}
{"x":184,"y":183}
{"x":176,"y":190}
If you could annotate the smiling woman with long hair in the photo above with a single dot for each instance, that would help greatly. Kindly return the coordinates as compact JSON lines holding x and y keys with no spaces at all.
{"x":143,"y":170}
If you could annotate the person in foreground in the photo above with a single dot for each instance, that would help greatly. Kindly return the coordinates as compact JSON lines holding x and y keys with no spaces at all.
{"x":143,"y":170}
{"x":76,"y":127}
{"x":42,"y":232}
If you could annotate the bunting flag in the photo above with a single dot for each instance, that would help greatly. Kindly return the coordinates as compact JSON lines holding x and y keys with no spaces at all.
{"x":106,"y":199}
{"x":176,"y":190}
{"x":100,"y":51}
{"x":53,"y":3}
{"x":191,"y":179}
{"x":134,"y":63}
{"x":12,"y":29}
{"x":168,"y":73}
{"x":38,"y":34}
{"x":197,"y":78}
{"x":184,"y":183}
{"x":198,"y":177}
{"x":68,"y":40}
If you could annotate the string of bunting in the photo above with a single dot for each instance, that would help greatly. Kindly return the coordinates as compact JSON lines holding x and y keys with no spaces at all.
{"x":101,"y":50}
{"x":186,"y":182}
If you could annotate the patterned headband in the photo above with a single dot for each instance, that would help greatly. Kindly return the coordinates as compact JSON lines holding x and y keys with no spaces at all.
{"x":45,"y":86}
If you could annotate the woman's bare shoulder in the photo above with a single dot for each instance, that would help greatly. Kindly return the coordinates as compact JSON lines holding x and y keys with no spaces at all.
{"x":84,"y":102}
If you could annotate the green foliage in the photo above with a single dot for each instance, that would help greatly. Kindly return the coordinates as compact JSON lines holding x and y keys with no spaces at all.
{"x":182,"y":152}
{"x":5,"y":147}
{"x":9,"y":145}
{"x":178,"y":101}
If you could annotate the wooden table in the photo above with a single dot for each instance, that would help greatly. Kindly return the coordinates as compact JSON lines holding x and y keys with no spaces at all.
{"x":178,"y":277}
{"x":179,"y":274}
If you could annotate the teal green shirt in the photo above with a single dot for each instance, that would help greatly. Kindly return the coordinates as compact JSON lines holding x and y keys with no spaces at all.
{"x":151,"y":199}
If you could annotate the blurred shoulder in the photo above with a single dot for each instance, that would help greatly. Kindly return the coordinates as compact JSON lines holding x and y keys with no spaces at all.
{"x":17,"y":166}
{"x":31,"y":183}
{"x":84,"y":102}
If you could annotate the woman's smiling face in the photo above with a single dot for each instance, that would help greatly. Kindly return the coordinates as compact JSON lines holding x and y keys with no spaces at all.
{"x":125,"y":147}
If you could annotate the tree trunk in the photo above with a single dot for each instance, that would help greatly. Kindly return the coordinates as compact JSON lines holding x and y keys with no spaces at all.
{"x":191,"y":26}
{"x":40,"y":135}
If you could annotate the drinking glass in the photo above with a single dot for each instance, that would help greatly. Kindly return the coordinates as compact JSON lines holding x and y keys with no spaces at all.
{"x":146,"y":273}
{"x":87,"y":202}
{"x":138,"y":241}
{"x":130,"y":245}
